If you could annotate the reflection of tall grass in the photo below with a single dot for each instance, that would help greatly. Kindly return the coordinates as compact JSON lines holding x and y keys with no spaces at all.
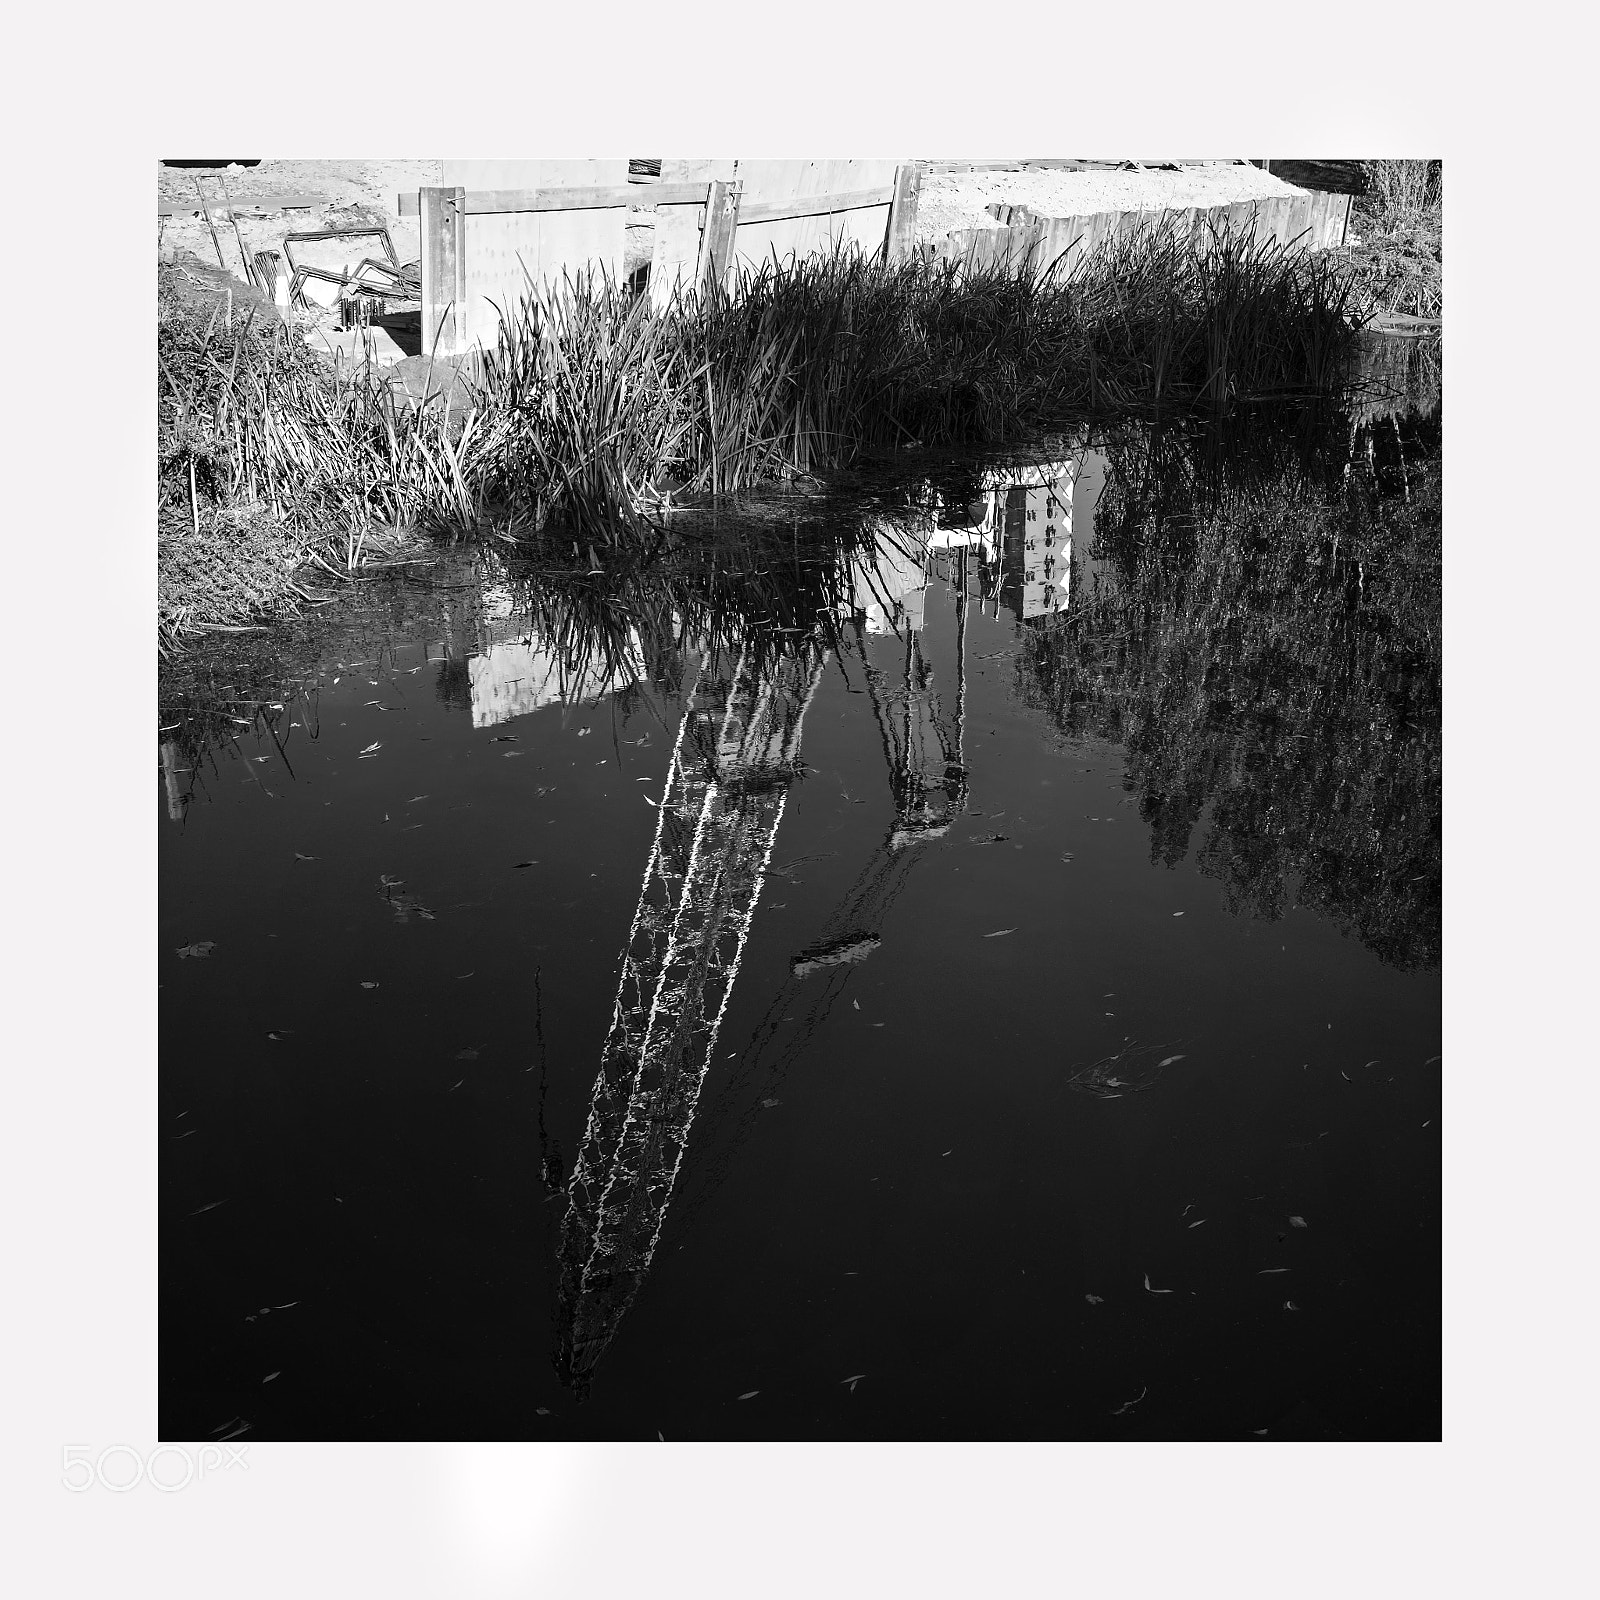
{"x":713,"y":582}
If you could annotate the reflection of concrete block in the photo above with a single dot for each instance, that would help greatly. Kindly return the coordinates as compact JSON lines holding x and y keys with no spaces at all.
{"x":515,"y":678}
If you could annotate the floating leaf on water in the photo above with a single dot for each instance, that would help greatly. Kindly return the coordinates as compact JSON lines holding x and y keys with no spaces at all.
{"x":466,"y":1055}
{"x":993,"y":838}
{"x":1265,"y":1270}
{"x":769,"y":1104}
{"x":377,"y":744}
{"x":754,"y":1392}
{"x":210,"y":1205}
{"x":519,"y":864}
{"x":507,"y":755}
{"x":1198,"y":1221}
{"x":1169,"y":1060}
{"x":1260,"y":1433}
{"x":271,"y":1375}
{"x":369,"y":986}
{"x":416,"y":797}
{"x":1297,"y":1222}
{"x":201,"y":947}
{"x":648,"y":801}
{"x":583,"y":731}
{"x":1289,"y":1305}
{"x":1095,"y":1299}
{"x":1177,"y":913}
{"x":856,"y":1004}
{"x":998,"y":932}
{"x":540,"y":1411}
{"x":299,"y":857}
{"x":259,"y":759}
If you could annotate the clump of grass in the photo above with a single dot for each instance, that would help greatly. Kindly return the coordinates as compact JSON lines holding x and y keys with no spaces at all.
{"x":236,"y":567}
{"x":1405,"y":188}
{"x":1398,"y":266}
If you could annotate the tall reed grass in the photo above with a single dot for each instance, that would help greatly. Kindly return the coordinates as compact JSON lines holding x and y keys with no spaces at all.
{"x":594,"y":407}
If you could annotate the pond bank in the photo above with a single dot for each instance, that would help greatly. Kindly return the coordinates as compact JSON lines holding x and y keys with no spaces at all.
{"x":595,"y":410}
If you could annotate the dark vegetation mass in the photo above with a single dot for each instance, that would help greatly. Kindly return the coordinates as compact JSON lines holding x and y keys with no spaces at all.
{"x":1266,"y":647}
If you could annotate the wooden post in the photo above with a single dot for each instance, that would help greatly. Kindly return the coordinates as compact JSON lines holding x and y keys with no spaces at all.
{"x":1297,"y":231}
{"x":897,"y":244}
{"x":1318,"y":219}
{"x":443,"y":213}
{"x":716,"y":238}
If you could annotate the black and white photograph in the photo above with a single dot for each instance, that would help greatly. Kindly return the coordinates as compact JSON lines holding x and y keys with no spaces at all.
{"x":786,"y":825}
{"x":785,"y":781}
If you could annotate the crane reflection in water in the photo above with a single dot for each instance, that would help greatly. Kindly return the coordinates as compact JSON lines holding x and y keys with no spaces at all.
{"x":736,"y":755}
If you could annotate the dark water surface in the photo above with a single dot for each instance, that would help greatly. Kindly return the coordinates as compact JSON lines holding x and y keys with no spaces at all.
{"x":1029,"y":1008}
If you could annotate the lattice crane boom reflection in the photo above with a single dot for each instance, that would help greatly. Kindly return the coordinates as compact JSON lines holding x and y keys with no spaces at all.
{"x":735,"y":756}
{"x":736,"y":753}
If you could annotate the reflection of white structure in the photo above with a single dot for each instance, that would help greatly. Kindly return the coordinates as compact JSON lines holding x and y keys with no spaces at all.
{"x":516,"y":677}
{"x":1046,"y":543}
{"x":891,"y":589}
